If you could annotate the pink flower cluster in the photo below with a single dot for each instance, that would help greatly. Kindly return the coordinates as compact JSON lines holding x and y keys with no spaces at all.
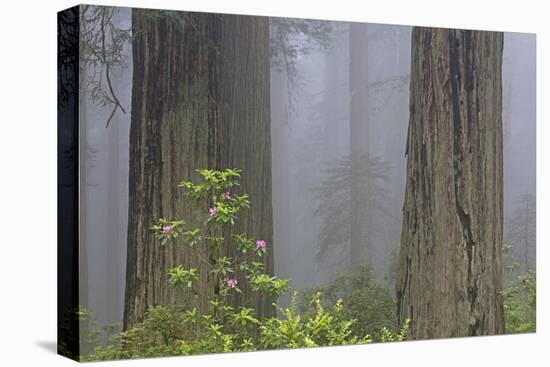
{"x":226,"y":196}
{"x":230,"y":282}
{"x":261,"y":244}
{"x":167,"y":228}
{"x":213,"y":211}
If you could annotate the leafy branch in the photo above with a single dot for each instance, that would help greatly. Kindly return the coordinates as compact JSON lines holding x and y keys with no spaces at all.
{"x":101,"y":48}
{"x":224,"y":205}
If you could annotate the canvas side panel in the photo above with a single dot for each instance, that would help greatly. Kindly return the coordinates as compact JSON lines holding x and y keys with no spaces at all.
{"x":67,"y":183}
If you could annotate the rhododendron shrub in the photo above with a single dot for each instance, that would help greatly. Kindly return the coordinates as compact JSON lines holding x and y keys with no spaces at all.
{"x":217,"y":191}
{"x":178,"y":330}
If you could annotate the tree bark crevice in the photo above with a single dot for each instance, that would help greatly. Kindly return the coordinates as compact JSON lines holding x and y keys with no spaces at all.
{"x":450,"y":274}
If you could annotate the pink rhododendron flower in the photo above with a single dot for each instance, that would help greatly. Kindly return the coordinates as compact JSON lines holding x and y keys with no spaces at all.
{"x":261,"y":244}
{"x":167,"y":228}
{"x":213,"y":211}
{"x":230,"y":282}
{"x":226,"y":196}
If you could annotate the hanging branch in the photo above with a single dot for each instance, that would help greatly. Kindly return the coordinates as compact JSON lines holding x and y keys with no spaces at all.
{"x":292,"y":39}
{"x":107,"y":69}
{"x":101,"y":54}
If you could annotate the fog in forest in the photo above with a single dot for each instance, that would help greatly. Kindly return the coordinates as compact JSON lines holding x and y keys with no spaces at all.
{"x":318,"y":133}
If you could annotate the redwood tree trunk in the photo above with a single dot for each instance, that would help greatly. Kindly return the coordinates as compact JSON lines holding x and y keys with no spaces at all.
{"x":200,"y":99}
{"x":450,"y":261}
{"x":246,"y":129}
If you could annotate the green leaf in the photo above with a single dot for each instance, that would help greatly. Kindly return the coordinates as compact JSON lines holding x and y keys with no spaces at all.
{"x":179,"y":276}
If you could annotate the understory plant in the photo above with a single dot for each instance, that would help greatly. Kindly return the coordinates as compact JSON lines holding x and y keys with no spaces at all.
{"x":226,"y":325}
{"x":520,"y":301}
{"x":208,"y":243}
{"x":370,"y":304}
{"x":519,"y":295}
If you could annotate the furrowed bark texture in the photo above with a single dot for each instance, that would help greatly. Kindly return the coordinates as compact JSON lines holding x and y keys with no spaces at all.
{"x":245,"y":120}
{"x":450,"y":260}
{"x":200,"y":99}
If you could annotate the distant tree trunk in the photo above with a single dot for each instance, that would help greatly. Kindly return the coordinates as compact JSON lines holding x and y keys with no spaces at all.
{"x":359,"y":146}
{"x":84,"y":151}
{"x":335,"y":102}
{"x":113,"y":275}
{"x":200,"y":99}
{"x":450,"y":261}
{"x":280,"y":169}
{"x":84,"y":247}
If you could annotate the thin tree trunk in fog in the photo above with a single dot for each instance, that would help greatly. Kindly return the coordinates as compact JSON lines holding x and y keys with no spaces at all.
{"x":112,"y":280}
{"x":335,"y":100}
{"x":83,"y":153}
{"x":281,"y":158}
{"x":450,"y":261}
{"x":86,"y":251}
{"x":359,"y":147}
{"x":200,"y":99}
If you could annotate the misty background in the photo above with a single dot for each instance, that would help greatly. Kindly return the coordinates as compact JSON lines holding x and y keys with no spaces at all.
{"x":310,"y":132}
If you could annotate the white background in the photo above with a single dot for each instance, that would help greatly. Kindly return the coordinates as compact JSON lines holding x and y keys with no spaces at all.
{"x":28,"y":183}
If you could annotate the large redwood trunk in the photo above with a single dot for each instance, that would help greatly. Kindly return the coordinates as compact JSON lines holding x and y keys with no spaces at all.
{"x":200,"y":99}
{"x":450,"y":260}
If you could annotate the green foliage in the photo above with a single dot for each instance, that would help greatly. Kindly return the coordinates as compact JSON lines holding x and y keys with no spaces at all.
{"x":244,"y":317}
{"x":166,"y":229}
{"x":222,"y":266}
{"x":387,"y":336}
{"x":173,"y":331}
{"x":224,"y":327}
{"x":82,"y":313}
{"x":528,"y":282}
{"x":269,"y":285}
{"x":519,"y":294}
{"x":520,"y":304}
{"x":214,"y":189}
{"x":212,"y":185}
{"x":370,"y":304}
{"x":243,"y":244}
{"x":318,"y":326}
{"x":159,"y":334}
{"x":192,"y":237}
{"x":179,"y":276}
